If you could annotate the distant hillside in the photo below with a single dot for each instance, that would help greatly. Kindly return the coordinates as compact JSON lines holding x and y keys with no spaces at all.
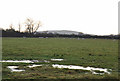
{"x":68,"y":32}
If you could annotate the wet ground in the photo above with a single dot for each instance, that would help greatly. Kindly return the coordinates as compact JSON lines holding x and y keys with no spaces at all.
{"x":94,"y":70}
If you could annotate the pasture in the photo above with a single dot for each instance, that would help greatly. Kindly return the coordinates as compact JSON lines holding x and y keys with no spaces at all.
{"x":99,"y":53}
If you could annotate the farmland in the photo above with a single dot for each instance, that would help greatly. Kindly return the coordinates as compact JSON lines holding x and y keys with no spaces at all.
{"x":99,"y":53}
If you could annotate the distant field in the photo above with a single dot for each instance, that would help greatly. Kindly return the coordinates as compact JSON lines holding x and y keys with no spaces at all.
{"x":101,"y":53}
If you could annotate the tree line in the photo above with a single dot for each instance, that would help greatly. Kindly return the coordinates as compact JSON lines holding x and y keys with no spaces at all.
{"x":31,"y":28}
{"x":13,"y":33}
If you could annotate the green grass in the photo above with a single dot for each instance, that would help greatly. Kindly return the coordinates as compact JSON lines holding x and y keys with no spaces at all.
{"x":101,"y":53}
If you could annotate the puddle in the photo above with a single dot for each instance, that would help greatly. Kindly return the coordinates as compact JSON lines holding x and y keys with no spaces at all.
{"x":46,"y":61}
{"x":92,"y":69}
{"x":19,"y":61}
{"x":97,"y":73}
{"x":31,"y":66}
{"x":14,"y":69}
{"x":114,"y":39}
{"x":57,"y":59}
{"x":83,"y":38}
{"x":24,"y":61}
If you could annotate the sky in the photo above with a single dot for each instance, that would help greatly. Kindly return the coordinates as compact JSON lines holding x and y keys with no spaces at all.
{"x":98,"y":17}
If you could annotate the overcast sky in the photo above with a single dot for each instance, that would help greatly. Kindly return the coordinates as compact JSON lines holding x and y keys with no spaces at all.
{"x":88,"y":16}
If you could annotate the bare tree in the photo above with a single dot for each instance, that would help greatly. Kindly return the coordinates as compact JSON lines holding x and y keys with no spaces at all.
{"x":31,"y":26}
{"x":19,"y":27}
{"x":11,"y":26}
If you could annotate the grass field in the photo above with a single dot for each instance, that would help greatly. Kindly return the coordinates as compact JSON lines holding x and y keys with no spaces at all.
{"x":102,"y":53}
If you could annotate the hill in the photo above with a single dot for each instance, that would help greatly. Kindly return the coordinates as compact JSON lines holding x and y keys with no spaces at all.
{"x":68,"y":32}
